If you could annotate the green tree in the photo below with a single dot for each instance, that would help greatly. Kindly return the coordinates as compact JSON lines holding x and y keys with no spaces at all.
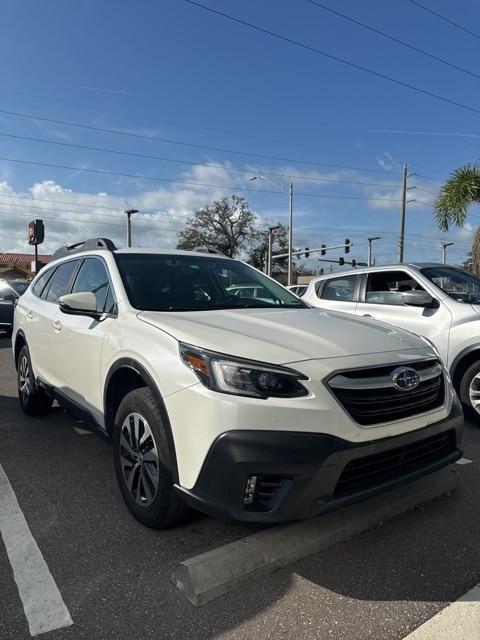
{"x":226,"y":224}
{"x":258,"y":251}
{"x":458,"y":193}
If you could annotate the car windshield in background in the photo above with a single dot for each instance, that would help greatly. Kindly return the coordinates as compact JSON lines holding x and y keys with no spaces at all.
{"x":459,"y":285}
{"x":157,"y":282}
{"x":19,"y":287}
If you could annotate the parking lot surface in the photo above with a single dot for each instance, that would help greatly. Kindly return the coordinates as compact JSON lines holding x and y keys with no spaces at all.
{"x":114,"y":575}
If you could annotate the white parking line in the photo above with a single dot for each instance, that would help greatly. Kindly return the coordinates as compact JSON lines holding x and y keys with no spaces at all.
{"x":464,"y":461}
{"x":459,"y":621}
{"x":42,"y":602}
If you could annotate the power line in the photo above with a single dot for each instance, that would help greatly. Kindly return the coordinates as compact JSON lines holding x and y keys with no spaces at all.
{"x":336,"y":58}
{"x":191,"y":163}
{"x":445,"y":19}
{"x":394,"y":39}
{"x":106,"y":223}
{"x":140,"y":136}
{"x":419,"y":175}
{"x":74,"y":204}
{"x":188,"y":183}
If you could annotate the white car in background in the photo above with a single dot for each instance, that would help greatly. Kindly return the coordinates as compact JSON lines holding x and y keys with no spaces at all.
{"x":250,"y":407}
{"x":298,"y":289}
{"x":439,"y":302}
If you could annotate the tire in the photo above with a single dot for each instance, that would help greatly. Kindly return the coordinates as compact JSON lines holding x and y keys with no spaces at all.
{"x":469,"y":392}
{"x":33,"y":400}
{"x":143,"y":464}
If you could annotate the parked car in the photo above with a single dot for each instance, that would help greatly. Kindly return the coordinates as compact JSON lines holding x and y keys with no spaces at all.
{"x":258,"y":409}
{"x":298,"y":289}
{"x":439,"y":302}
{"x":10,"y":291}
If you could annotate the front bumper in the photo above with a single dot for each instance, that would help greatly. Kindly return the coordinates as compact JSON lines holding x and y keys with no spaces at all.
{"x":301,"y":475}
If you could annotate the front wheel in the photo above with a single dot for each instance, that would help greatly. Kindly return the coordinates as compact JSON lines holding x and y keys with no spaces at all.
{"x":142,"y":462}
{"x":470,"y":392}
{"x":33,"y":400}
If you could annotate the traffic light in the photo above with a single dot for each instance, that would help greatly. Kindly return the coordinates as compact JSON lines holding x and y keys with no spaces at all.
{"x":347,"y":245}
{"x":36,"y":231}
{"x":323,"y":252}
{"x":354,"y":263}
{"x":307,"y":252}
{"x":341,"y":261}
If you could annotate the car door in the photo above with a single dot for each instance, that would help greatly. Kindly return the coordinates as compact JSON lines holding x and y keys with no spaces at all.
{"x":37,"y":313}
{"x":7,"y":298}
{"x":338,"y":293}
{"x":77,"y":342}
{"x":381,"y":298}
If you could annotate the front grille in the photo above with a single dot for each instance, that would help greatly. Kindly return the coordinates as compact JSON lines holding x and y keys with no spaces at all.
{"x":370,"y":396}
{"x":364,"y":473}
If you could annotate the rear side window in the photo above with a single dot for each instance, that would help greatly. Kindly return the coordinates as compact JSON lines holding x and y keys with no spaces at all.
{"x":339,"y":289}
{"x":386,"y":287}
{"x":93,"y":277}
{"x":61,"y":281}
{"x":42,"y":282}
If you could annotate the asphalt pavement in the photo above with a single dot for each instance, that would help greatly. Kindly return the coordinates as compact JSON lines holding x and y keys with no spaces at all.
{"x":115,"y":576}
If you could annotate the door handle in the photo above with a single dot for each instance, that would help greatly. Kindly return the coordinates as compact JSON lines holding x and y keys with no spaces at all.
{"x":57,"y":325}
{"x":29,"y":315}
{"x":367,"y":315}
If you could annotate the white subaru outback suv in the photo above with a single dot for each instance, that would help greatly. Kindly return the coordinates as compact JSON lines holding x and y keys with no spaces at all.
{"x":258,"y":409}
{"x":437,"y":301}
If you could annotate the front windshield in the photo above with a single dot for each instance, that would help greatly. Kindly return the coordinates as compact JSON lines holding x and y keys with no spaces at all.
{"x":157,"y":282}
{"x":458,"y":284}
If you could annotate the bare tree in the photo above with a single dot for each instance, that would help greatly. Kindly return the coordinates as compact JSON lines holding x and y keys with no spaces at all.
{"x":226,"y":224}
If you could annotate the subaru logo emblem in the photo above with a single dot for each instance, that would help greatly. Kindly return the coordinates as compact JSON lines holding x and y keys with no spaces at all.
{"x":405,"y":378}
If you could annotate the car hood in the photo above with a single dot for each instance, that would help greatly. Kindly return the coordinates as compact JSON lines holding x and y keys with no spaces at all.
{"x":282,"y":336}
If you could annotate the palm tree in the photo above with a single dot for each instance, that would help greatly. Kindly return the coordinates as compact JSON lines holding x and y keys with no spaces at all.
{"x":460,"y":191}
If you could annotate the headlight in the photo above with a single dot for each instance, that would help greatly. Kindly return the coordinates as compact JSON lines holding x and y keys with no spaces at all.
{"x":242,"y":377}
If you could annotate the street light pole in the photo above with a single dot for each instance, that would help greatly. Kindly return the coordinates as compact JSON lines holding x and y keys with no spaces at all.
{"x":370,"y":240}
{"x":290,"y":232}
{"x":288,"y":190}
{"x":129,"y":213}
{"x":444,"y":250}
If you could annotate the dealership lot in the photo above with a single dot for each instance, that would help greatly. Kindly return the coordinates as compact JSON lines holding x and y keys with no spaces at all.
{"x":115,"y":576}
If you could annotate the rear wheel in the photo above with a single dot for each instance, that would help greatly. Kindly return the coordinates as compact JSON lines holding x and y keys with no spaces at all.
{"x":33,"y":400}
{"x":143,"y":465}
{"x":470,"y":391}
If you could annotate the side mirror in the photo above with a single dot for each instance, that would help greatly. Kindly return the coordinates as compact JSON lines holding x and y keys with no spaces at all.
{"x":418,"y":299}
{"x":83,"y":303}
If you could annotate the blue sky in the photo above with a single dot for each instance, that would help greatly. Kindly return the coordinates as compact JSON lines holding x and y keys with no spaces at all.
{"x":171,"y":70}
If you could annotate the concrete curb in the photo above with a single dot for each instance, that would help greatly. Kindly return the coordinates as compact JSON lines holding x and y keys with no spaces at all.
{"x":217,"y":572}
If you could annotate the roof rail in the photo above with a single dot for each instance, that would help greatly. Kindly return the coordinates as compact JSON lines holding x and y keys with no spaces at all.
{"x":103,"y":244}
{"x":209,"y":249}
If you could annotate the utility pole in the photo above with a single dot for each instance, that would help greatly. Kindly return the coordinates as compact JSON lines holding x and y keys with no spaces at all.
{"x":283,"y":187}
{"x":370,"y":240}
{"x":130,"y":213}
{"x":444,"y":251}
{"x":403,"y":206}
{"x":270,"y":248}
{"x":290,"y":231}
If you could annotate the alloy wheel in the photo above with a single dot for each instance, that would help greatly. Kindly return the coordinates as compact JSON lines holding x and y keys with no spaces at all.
{"x":474,"y":393}
{"x":139,"y":459}
{"x":24,"y":379}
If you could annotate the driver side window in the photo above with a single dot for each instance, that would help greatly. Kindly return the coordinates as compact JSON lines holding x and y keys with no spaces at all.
{"x":93,"y":277}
